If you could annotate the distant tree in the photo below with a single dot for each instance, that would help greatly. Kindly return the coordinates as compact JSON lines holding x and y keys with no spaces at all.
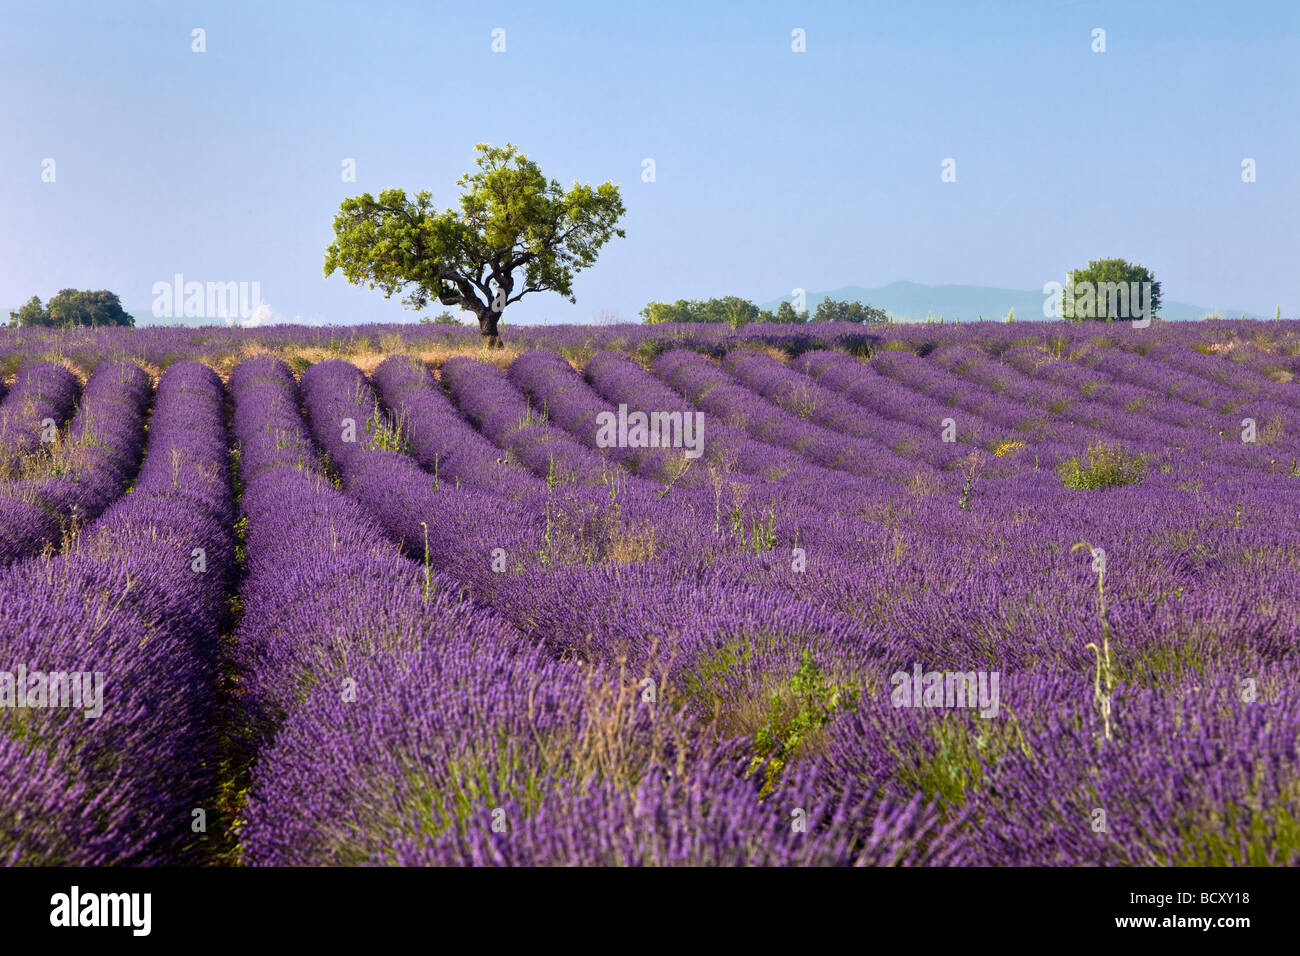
{"x":74,"y":307}
{"x":738,"y":311}
{"x":732,"y":310}
{"x":515,"y":233}
{"x":659,"y":313}
{"x":445,"y":317}
{"x":828,"y":310}
{"x":31,"y":314}
{"x":1106,"y":289}
{"x":786,"y":314}
{"x":708,"y":310}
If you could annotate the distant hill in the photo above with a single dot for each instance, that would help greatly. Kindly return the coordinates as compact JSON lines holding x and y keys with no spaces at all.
{"x":912,"y":301}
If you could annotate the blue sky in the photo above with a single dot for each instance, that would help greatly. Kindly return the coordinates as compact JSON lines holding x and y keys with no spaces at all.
{"x":774,"y":169}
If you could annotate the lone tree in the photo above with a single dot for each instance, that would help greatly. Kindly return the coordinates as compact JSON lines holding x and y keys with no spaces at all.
{"x":1110,"y":290}
{"x":515,"y":233}
{"x":73,"y":307}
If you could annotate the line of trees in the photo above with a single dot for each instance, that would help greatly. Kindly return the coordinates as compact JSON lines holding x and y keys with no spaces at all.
{"x":72,"y":307}
{"x":735,"y":311}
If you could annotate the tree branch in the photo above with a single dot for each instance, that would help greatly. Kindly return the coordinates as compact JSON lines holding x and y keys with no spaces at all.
{"x":526,"y":290}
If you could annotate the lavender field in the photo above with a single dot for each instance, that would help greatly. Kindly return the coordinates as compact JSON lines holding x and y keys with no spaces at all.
{"x":1015,"y":594}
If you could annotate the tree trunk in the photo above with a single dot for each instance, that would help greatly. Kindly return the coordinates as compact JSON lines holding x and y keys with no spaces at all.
{"x":487,"y":324}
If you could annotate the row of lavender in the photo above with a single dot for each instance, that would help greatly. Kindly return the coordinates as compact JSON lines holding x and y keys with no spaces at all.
{"x":107,"y":733}
{"x":42,"y":395}
{"x":83,"y":472}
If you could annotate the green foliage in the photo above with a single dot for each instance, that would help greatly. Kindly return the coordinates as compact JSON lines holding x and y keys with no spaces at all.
{"x":828,"y":310}
{"x":732,"y":310}
{"x":428,"y":567}
{"x":73,"y":307}
{"x":808,"y":703}
{"x":953,"y":767}
{"x":514,"y":233}
{"x":386,"y":434}
{"x":1077,"y":306}
{"x":241,"y":539}
{"x":1256,"y":832}
{"x":1103,"y":676}
{"x":786,"y":314}
{"x":659,"y":313}
{"x":1107,"y":466}
{"x":531,"y":417}
{"x":737,"y":312}
{"x":762,"y":532}
{"x":445,"y":317}
{"x":31,"y":314}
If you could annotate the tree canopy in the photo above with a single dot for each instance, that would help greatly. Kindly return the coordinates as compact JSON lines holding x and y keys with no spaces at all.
{"x":31,"y":313}
{"x":786,"y":315}
{"x":828,"y":310}
{"x":515,"y":233}
{"x":73,"y":307}
{"x":445,"y":317}
{"x":1109,"y":290}
{"x":736,"y":312}
{"x":730,"y":309}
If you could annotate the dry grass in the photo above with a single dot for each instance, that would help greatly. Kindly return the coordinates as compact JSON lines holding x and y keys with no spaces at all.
{"x":633,"y":544}
{"x":608,"y":741}
{"x":924,"y":484}
{"x":772,"y":352}
{"x":1272,"y":432}
{"x":62,"y":457}
{"x":10,"y":371}
{"x":367,"y":359}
